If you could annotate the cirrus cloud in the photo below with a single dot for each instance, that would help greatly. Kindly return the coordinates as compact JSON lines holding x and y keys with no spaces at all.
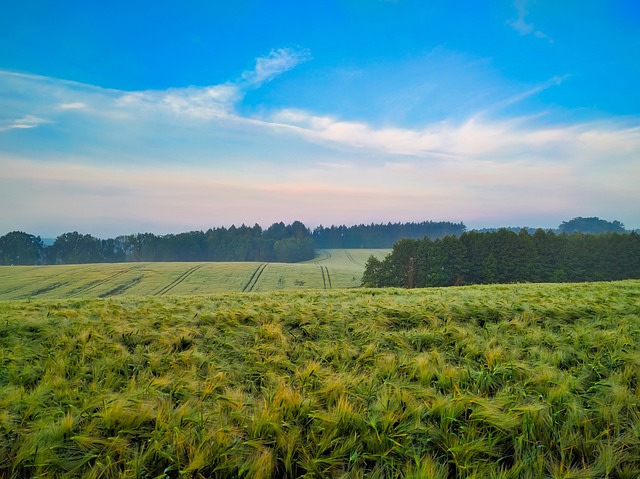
{"x":275,"y":63}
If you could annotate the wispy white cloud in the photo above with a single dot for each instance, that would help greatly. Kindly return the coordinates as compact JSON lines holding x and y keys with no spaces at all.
{"x":477,"y":137}
{"x":217,"y":101}
{"x":24,"y":123}
{"x":519,"y":97}
{"x":198,"y":102}
{"x":74,"y":105}
{"x":521,"y":25}
{"x":52,"y":98}
{"x":278,"y":61}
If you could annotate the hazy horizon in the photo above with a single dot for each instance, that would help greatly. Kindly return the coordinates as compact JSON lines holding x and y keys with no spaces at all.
{"x":122,"y":118}
{"x":52,"y":237}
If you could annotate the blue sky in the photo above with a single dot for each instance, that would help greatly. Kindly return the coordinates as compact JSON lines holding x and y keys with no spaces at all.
{"x":122,"y":117}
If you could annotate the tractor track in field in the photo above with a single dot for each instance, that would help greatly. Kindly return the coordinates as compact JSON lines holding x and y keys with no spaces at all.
{"x":324,"y":281}
{"x":48,"y":287}
{"x":327,"y":255}
{"x":94,"y":284}
{"x":11,"y":290}
{"x":352,"y":259}
{"x":178,"y":280}
{"x":326,"y":270}
{"x":15,"y":288}
{"x":122,"y":287}
{"x":254,"y":278}
{"x":326,"y":277}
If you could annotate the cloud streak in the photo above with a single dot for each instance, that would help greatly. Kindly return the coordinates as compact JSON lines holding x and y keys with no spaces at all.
{"x":216,"y":101}
{"x":476,"y":138}
{"x":24,"y":123}
{"x":198,"y":102}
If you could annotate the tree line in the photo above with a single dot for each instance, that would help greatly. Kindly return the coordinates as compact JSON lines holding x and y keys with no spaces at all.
{"x":505,"y":256}
{"x":280,"y":243}
{"x":381,"y":235}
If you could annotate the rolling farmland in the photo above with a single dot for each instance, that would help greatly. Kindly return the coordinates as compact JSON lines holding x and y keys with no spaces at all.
{"x":264,"y":370}
{"x":330,"y":269}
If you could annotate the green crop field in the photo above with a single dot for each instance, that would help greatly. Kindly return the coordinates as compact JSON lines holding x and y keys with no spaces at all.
{"x":499,"y":381}
{"x":331,"y":269}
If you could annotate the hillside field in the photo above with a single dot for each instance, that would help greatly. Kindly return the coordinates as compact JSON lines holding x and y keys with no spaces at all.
{"x":500,"y":381}
{"x":330,"y":269}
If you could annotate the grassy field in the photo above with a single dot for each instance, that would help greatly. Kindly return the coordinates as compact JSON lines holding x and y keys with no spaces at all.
{"x":501,"y":381}
{"x":331,"y":269}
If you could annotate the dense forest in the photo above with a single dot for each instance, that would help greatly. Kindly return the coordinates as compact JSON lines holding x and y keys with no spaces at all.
{"x":507,"y":257}
{"x":382,"y":235}
{"x":280,"y":242}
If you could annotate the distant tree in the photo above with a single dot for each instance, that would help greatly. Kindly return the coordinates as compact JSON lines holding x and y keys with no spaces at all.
{"x":298,"y":230}
{"x":277,"y":231}
{"x":550,"y":251}
{"x":515,"y":253}
{"x":20,"y":248}
{"x":591,"y":225}
{"x":400,"y":264}
{"x":141,"y":247}
{"x":293,"y":250}
{"x":190,"y":246}
{"x":113,"y":250}
{"x":74,"y":248}
{"x":372,"y":272}
{"x":490,"y":269}
{"x":456,"y":264}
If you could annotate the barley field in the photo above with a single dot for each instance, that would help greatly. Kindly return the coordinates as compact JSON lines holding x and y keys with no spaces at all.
{"x":331,"y":269}
{"x":498,"y":381}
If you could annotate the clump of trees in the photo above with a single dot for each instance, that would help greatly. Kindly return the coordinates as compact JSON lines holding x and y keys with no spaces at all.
{"x":592,"y":225}
{"x":20,"y":248}
{"x":279,"y":243}
{"x":507,"y":257}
